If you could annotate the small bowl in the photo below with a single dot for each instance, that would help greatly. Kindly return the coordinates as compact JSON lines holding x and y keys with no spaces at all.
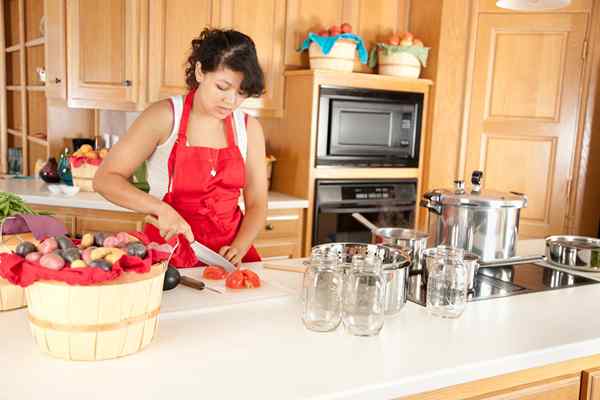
{"x":70,"y":190}
{"x":55,"y":189}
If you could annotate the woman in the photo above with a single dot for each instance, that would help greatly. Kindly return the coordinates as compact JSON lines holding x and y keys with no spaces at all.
{"x":201,"y":152}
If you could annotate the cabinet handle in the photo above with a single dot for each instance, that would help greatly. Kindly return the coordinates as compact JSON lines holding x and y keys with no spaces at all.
{"x":127,"y":82}
{"x":57,"y":80}
{"x":269,"y":227}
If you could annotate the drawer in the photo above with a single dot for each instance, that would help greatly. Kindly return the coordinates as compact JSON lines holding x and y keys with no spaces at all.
{"x":92,"y":223}
{"x":281,"y":224}
{"x":272,"y":249}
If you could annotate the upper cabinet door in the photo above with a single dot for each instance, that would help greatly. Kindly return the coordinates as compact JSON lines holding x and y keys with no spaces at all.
{"x":263,"y":21}
{"x":103,"y":41}
{"x":174,"y":24}
{"x":524,"y":111}
{"x":56,"y":59}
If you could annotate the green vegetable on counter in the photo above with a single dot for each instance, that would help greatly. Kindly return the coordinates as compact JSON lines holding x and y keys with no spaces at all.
{"x":11,"y":204}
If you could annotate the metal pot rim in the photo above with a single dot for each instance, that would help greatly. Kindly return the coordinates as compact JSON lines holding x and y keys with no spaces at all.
{"x":400,"y":233}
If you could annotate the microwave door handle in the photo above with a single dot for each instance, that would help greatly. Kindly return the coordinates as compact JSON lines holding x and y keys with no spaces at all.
{"x":342,"y":210}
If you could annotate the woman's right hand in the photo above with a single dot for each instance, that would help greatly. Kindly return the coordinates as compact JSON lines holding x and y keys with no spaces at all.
{"x":170,"y":223}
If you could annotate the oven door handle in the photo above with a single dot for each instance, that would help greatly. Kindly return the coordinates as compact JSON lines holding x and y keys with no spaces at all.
{"x":342,"y":210}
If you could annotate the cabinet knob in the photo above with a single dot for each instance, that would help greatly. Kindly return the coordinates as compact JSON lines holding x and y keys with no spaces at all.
{"x":57,"y":80}
{"x":127,"y":82}
{"x":269,"y":227}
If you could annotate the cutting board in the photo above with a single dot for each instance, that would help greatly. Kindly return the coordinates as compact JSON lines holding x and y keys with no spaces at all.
{"x":183,"y":298}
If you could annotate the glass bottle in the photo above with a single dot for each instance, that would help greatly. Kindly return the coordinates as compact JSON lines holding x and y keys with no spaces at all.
{"x":64,"y":168}
{"x":322,"y":293}
{"x":447,"y":283}
{"x":364,"y":297}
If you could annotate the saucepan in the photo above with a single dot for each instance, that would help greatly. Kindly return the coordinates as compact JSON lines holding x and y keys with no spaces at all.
{"x":411,"y":241}
{"x":576,"y":252}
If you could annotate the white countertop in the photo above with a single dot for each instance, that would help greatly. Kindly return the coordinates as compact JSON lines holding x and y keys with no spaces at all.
{"x":226,"y":349}
{"x":35,"y":191}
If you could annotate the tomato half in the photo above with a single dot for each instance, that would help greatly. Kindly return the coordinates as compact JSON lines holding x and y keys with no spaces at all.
{"x":241,"y":279}
{"x":214,"y":272}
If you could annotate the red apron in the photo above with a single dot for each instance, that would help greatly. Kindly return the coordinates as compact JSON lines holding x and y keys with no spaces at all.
{"x":204,"y":188}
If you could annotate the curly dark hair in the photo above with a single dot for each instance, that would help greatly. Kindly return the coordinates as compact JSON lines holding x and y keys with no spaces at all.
{"x":216,"y":48}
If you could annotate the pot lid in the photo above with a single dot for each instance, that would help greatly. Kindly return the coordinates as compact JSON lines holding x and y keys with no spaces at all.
{"x":477,"y":197}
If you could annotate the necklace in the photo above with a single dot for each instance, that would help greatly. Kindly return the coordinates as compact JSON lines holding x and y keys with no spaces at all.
{"x":213,"y":166}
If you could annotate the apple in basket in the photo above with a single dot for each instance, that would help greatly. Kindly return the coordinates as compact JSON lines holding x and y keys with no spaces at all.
{"x":407,"y":39}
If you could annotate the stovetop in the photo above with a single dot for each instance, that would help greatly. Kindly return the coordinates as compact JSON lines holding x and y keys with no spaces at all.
{"x":508,"y":280}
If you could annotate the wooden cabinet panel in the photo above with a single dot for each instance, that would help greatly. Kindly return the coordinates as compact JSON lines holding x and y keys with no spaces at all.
{"x":103,"y":40}
{"x":106,"y":223}
{"x":273,"y":250}
{"x":174,"y":24}
{"x":524,"y":109}
{"x":557,"y":389}
{"x":281,"y":224}
{"x":590,"y":384}
{"x":263,"y":21}
{"x":56,"y":59}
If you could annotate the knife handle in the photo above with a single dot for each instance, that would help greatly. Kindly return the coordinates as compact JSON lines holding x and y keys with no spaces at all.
{"x":193,"y":283}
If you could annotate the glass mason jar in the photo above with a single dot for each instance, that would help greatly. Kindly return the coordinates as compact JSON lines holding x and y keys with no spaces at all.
{"x":322,"y":293}
{"x":447,"y":283}
{"x":364,"y":297}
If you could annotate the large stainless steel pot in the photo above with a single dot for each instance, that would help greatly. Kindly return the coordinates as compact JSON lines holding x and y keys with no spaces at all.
{"x":576,"y":252}
{"x":409,"y":240}
{"x":483,"y":222}
{"x":394,"y":263}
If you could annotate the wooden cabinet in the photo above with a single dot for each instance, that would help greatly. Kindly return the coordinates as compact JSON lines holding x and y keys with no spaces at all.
{"x":556,"y":389}
{"x":524,"y":111}
{"x":590,"y":384}
{"x":104,"y":46}
{"x":373,"y":20}
{"x":56,"y":57}
{"x":176,"y":22}
{"x":281,"y":237}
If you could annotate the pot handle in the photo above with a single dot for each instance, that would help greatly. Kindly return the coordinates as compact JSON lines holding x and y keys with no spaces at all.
{"x":433,"y":207}
{"x":523,"y":195}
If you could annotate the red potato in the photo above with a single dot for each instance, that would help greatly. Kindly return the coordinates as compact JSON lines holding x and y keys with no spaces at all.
{"x":34,"y":257}
{"x":334,"y":30}
{"x":52,"y":261}
{"x":123,"y":238}
{"x":48,"y":246}
{"x":346,"y":28}
{"x":111,"y":241}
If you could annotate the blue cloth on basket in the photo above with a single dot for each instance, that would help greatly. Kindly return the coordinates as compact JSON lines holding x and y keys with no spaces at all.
{"x":327,"y":42}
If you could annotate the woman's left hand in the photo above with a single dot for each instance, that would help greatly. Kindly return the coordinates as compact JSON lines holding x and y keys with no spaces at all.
{"x":232,"y":254}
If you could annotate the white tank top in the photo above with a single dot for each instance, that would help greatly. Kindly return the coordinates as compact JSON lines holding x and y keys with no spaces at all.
{"x":158,"y":169}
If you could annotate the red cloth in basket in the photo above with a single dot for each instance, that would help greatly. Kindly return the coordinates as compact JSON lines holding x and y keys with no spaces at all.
{"x":79,"y":161}
{"x":18,"y":271}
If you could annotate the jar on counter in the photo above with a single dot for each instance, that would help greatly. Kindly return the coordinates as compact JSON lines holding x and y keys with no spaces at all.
{"x":364,"y":297}
{"x":322,"y":293}
{"x":447,"y":283}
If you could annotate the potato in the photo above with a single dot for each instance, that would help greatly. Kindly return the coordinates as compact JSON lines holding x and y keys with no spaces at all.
{"x":111,"y":241}
{"x":34,"y":257}
{"x":48,"y":246}
{"x":114,"y":256}
{"x":52,"y":261}
{"x":125,"y":238}
{"x":100,"y":253}
{"x":86,"y":241}
{"x":78,"y":264}
{"x":25,"y":248}
{"x":86,"y":255}
{"x":64,"y":242}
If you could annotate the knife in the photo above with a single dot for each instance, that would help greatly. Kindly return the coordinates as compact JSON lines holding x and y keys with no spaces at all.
{"x":196,"y":284}
{"x":203,"y":253}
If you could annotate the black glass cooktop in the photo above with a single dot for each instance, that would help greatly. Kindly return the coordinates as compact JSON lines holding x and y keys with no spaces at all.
{"x":507,"y":280}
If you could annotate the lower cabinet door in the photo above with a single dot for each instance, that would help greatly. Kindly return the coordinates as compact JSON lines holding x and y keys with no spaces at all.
{"x":273,"y":250}
{"x":563,"y":388}
{"x":108,"y":223}
{"x":590,"y":384}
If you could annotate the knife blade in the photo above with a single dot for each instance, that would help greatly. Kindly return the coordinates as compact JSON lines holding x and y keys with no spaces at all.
{"x":203,"y":253}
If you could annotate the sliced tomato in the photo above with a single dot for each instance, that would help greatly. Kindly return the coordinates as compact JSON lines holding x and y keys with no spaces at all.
{"x":214,"y":272}
{"x":251,"y":279}
{"x":241,"y":279}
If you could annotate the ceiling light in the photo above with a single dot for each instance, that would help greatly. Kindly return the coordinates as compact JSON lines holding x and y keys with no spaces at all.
{"x":532,"y":5}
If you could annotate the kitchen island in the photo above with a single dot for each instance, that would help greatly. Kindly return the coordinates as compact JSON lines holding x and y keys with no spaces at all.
{"x":217,"y":347}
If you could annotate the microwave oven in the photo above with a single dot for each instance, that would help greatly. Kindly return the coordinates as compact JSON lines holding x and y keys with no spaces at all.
{"x":368,"y":128}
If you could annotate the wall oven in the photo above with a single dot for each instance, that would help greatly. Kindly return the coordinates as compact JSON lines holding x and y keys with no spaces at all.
{"x":368,"y":128}
{"x":383,"y":202}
